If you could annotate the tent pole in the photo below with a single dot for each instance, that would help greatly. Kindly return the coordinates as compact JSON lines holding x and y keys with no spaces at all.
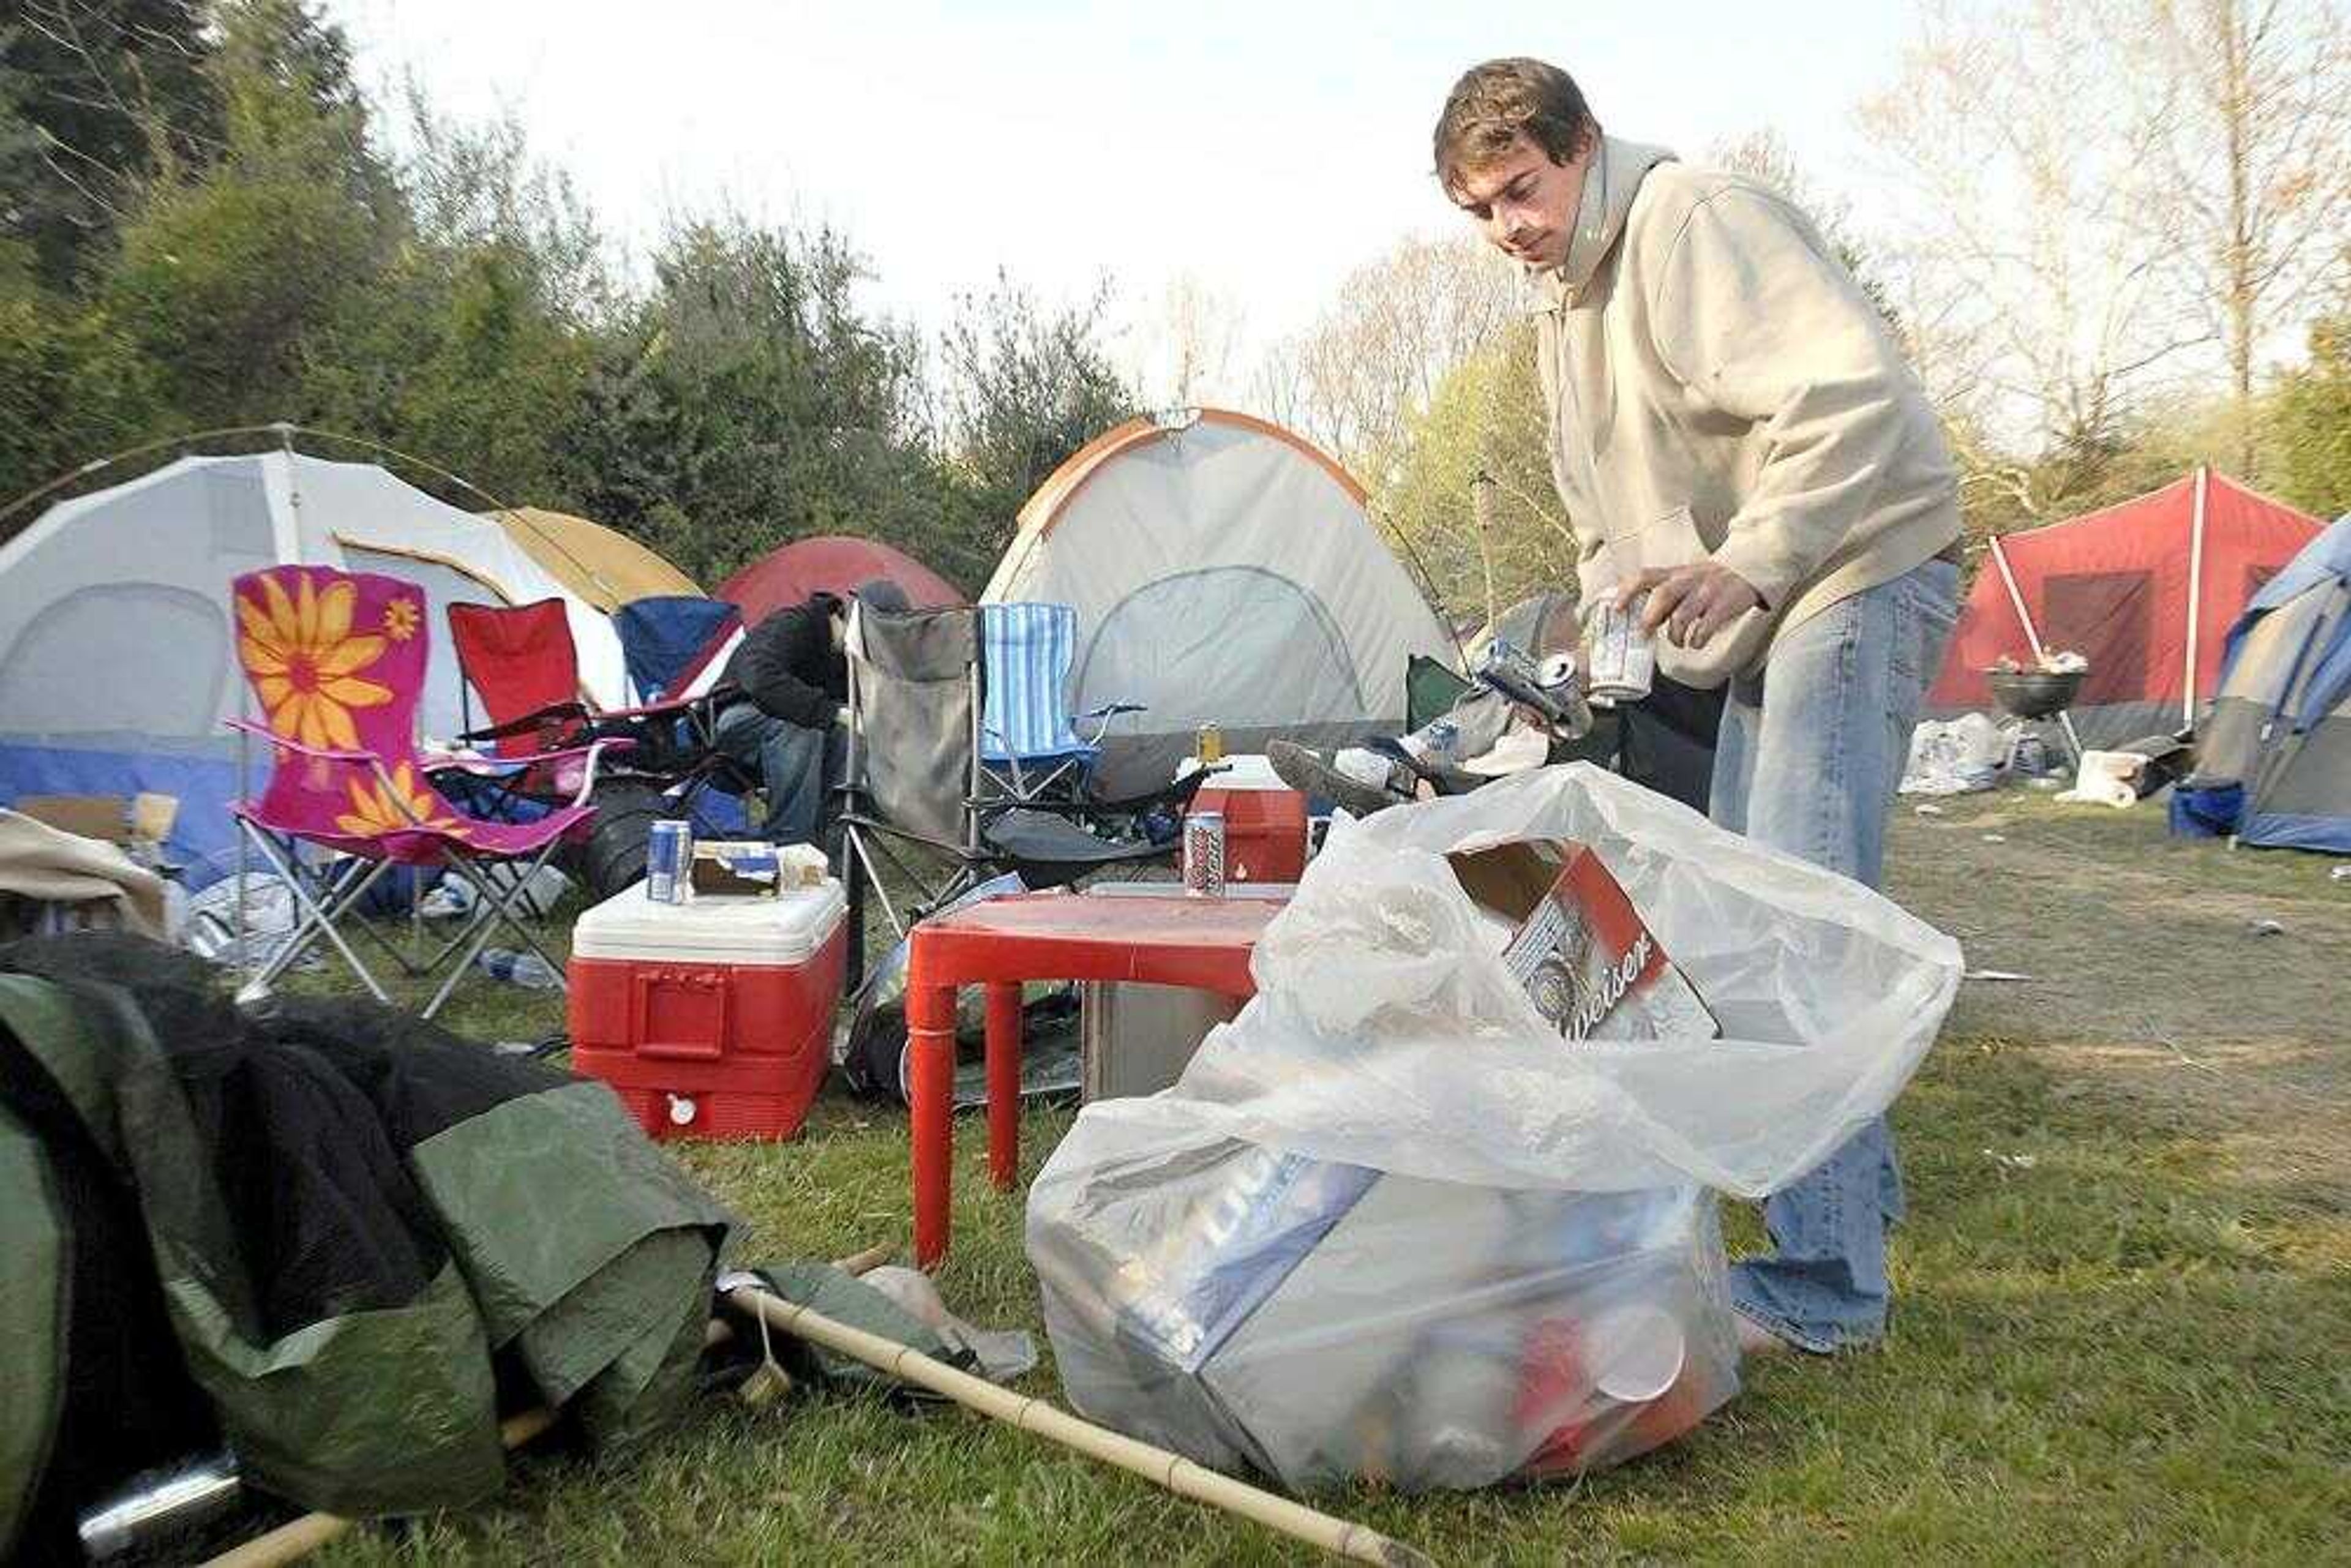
{"x":2195,"y":597}
{"x":2032,"y":636}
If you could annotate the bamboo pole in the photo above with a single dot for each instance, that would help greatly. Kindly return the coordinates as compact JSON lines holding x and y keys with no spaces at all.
{"x":1177,"y":1474}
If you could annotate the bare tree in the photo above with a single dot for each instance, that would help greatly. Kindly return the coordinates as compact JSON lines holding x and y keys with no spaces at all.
{"x":2037,"y":311}
{"x":2249,"y":106}
{"x":1185,"y":348}
{"x":1399,"y":324}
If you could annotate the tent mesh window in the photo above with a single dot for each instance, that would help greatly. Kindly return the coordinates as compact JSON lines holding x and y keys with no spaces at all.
{"x":1213,"y":621}
{"x":47,"y":676}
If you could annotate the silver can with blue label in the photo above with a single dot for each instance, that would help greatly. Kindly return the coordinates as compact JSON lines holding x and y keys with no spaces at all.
{"x":668,"y":853}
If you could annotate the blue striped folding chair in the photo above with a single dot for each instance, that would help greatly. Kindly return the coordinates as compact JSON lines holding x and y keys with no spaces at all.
{"x":1031,"y":744}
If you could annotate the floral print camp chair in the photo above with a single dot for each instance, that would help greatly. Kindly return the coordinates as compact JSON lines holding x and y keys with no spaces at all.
{"x":336,"y":661}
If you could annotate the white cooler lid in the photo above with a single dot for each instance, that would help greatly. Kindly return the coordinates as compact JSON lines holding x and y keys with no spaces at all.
{"x":1243,"y":770}
{"x":785,"y":929}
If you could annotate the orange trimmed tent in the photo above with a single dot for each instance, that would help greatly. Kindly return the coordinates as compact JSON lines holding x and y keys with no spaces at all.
{"x":1224,"y":572}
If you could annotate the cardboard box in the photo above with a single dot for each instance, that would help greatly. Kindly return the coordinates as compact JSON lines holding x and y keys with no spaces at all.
{"x":1580,"y":947}
{"x":142,"y":819}
{"x":752,"y":868}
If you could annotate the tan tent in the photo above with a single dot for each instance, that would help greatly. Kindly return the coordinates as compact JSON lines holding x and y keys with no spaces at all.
{"x":606,"y":569}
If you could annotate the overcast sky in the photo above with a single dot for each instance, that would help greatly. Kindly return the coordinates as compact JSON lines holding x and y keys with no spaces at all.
{"x":1262,"y":149}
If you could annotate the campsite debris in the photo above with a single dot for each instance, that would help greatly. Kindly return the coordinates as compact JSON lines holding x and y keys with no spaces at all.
{"x":528,"y":970}
{"x":1962,"y":755}
{"x":2265,"y":927}
{"x":160,"y":1504}
{"x":1995,"y":838}
{"x":2011,"y":1162}
{"x":2052,"y":661}
{"x":1003,"y":1353}
{"x":1928,"y":809}
{"x":1029,"y":1414}
{"x":1994,"y":975}
{"x":2340,"y":873}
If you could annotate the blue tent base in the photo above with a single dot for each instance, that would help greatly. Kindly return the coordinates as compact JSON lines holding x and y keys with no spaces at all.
{"x":203,"y":837}
{"x":2275,"y":830}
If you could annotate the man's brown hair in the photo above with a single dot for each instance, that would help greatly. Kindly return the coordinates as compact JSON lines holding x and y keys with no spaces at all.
{"x":1495,"y":103}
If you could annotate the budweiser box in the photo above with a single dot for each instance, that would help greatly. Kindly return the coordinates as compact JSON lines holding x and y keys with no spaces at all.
{"x":1579,"y":946}
{"x":752,"y":868}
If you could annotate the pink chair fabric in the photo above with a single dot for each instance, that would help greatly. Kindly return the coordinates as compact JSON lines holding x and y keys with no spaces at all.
{"x":336,"y":662}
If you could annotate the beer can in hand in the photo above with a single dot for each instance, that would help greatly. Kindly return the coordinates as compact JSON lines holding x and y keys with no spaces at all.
{"x":1624,"y":660}
{"x":1204,"y":854}
{"x":668,"y":853}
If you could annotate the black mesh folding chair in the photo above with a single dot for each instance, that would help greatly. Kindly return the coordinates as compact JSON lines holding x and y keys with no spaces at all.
{"x":914,"y":797}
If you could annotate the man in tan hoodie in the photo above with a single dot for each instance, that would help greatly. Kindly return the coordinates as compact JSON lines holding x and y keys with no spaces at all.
{"x":1736,"y":437}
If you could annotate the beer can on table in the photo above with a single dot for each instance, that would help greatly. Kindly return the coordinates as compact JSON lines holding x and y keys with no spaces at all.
{"x":1624,"y":660}
{"x":1204,"y":854}
{"x":669,"y":851}
{"x":1209,"y":746}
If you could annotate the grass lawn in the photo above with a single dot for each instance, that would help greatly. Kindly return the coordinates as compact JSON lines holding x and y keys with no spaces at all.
{"x":2123,"y":1328}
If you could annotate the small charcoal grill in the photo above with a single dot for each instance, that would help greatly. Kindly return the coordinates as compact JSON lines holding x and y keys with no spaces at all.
{"x":2035,"y":693}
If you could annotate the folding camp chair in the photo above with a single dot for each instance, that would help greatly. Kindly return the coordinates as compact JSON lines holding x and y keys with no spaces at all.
{"x":521,"y":662}
{"x":1031,"y":744}
{"x":913,"y":779}
{"x":337,"y":663}
{"x":676,"y":646}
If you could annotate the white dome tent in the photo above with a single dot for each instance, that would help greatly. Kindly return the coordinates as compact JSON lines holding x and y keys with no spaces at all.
{"x":1223,"y":572}
{"x":118,"y":661}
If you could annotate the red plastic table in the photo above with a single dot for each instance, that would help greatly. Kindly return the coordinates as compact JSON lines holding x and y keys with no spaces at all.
{"x":1154,"y":939}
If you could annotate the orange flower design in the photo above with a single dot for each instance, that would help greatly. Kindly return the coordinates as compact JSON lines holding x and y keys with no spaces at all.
{"x":378,"y":810}
{"x":399,"y":619}
{"x":306,"y":664}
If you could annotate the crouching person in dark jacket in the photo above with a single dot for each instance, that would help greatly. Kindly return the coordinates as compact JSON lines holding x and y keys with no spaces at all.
{"x":790,"y":680}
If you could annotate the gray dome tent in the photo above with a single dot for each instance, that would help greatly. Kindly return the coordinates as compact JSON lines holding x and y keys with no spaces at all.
{"x":1223,"y":572}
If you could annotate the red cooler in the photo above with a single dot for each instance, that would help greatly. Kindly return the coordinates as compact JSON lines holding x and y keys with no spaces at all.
{"x":710,"y":1018}
{"x":1265,"y":831}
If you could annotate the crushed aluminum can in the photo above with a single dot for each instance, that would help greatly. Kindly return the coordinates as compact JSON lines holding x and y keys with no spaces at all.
{"x":1204,"y":854}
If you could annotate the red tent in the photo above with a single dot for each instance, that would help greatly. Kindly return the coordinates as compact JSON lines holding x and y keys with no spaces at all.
{"x":2145,"y":591}
{"x":833,"y":565}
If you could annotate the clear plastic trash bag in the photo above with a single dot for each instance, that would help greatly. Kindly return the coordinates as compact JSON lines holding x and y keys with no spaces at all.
{"x":1323,"y":1324}
{"x":1385,"y":1031}
{"x":1391,"y":1224}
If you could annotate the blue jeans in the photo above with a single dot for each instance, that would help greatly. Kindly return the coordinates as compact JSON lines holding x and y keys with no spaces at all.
{"x":1807,"y":762}
{"x":789,"y":759}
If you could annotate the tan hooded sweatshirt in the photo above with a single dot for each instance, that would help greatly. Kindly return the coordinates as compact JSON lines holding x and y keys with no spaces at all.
{"x":1718,"y":384}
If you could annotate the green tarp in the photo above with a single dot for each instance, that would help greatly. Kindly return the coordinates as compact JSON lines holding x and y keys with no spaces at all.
{"x":551,"y":1234}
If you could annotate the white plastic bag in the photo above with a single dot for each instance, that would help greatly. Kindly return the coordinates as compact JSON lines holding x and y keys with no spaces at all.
{"x":1385,"y":1031}
{"x":1392,"y":1224}
{"x":1324,"y":1323}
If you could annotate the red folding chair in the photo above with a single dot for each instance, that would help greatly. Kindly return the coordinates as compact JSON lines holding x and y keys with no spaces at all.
{"x":336,"y":662}
{"x":521,"y":662}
